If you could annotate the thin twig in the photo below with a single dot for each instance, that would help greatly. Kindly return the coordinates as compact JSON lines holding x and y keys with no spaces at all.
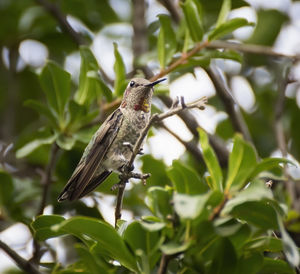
{"x":281,"y":140}
{"x":170,"y":5}
{"x":23,"y":264}
{"x":252,"y":49}
{"x":184,"y":57}
{"x":54,"y":10}
{"x":230,"y":105}
{"x":190,"y":146}
{"x":46,"y":182}
{"x":200,"y":104}
{"x":217,"y":210}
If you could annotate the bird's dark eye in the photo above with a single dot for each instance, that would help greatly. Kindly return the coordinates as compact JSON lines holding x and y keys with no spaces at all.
{"x":131,"y":83}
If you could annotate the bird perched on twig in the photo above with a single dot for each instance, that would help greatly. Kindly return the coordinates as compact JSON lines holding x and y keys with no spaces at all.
{"x":111,"y":146}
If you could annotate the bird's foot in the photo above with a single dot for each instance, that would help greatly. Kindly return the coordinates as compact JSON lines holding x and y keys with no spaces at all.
{"x":130,"y":146}
{"x":125,"y":177}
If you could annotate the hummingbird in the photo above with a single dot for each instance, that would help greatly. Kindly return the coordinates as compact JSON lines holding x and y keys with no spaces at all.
{"x":111,"y":146}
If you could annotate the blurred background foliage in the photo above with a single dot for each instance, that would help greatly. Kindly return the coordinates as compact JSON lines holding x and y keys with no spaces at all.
{"x":227,"y":205}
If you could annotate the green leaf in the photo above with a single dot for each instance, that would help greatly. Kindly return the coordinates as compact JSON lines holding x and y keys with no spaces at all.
{"x":267,"y":164}
{"x":191,"y":206}
{"x":250,"y":263}
{"x":158,"y":171}
{"x":120,"y":72}
{"x":140,"y":239}
{"x":56,"y":83}
{"x":103,"y":88}
{"x":225,"y":258}
{"x":65,"y":142}
{"x":264,"y":244}
{"x":42,"y":226}
{"x":242,"y":161}
{"x":228,"y":27}
{"x":87,"y":90}
{"x":211,"y":162}
{"x":290,"y":249}
{"x":166,"y":42}
{"x":226,"y":6}
{"x":159,"y":202}
{"x":34,"y":144}
{"x":268,"y":27}
{"x":227,"y":54}
{"x":192,"y":10}
{"x":90,"y":262}
{"x":6,"y":188}
{"x":104,"y":234}
{"x":271,"y":266}
{"x":42,"y":109}
{"x":256,"y":191}
{"x":171,"y":248}
{"x":258,"y":213}
{"x":185,"y":179}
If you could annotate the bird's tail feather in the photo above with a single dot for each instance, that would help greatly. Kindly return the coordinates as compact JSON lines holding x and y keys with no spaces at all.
{"x":73,"y":191}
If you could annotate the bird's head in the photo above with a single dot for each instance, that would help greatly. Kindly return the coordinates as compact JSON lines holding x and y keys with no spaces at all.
{"x":138,"y":94}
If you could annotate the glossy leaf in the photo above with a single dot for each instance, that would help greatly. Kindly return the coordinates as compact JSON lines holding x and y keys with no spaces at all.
{"x":166,"y":42}
{"x":86,"y":90}
{"x":104,"y":234}
{"x":271,"y":266}
{"x":256,"y":191}
{"x":140,"y":239}
{"x":42,"y":226}
{"x":171,"y":248}
{"x":225,"y":257}
{"x":211,"y":162}
{"x":56,"y":83}
{"x":90,"y":262}
{"x":250,"y":263}
{"x":242,"y":161}
{"x":191,"y":206}
{"x":225,"y":9}
{"x":228,"y":27}
{"x":267,"y":164}
{"x":185,"y":179}
{"x":158,"y":171}
{"x":120,"y":72}
{"x":158,"y":200}
{"x":42,"y":109}
{"x":258,"y":213}
{"x":193,"y":15}
{"x":34,"y":144}
{"x":65,"y":142}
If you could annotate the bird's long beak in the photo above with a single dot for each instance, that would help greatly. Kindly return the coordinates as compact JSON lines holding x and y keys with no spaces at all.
{"x":155,"y":82}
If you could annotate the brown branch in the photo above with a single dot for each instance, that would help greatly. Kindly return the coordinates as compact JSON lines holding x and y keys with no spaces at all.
{"x":170,"y":5}
{"x":54,"y":10}
{"x":184,"y":57}
{"x":140,"y":38}
{"x":190,"y":146}
{"x":127,"y":174}
{"x":217,"y":210}
{"x":281,"y":141}
{"x":23,"y":264}
{"x":252,"y":49}
{"x":230,"y":105}
{"x":46,"y":182}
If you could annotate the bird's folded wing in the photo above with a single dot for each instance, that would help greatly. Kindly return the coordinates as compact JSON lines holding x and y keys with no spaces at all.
{"x":92,"y":157}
